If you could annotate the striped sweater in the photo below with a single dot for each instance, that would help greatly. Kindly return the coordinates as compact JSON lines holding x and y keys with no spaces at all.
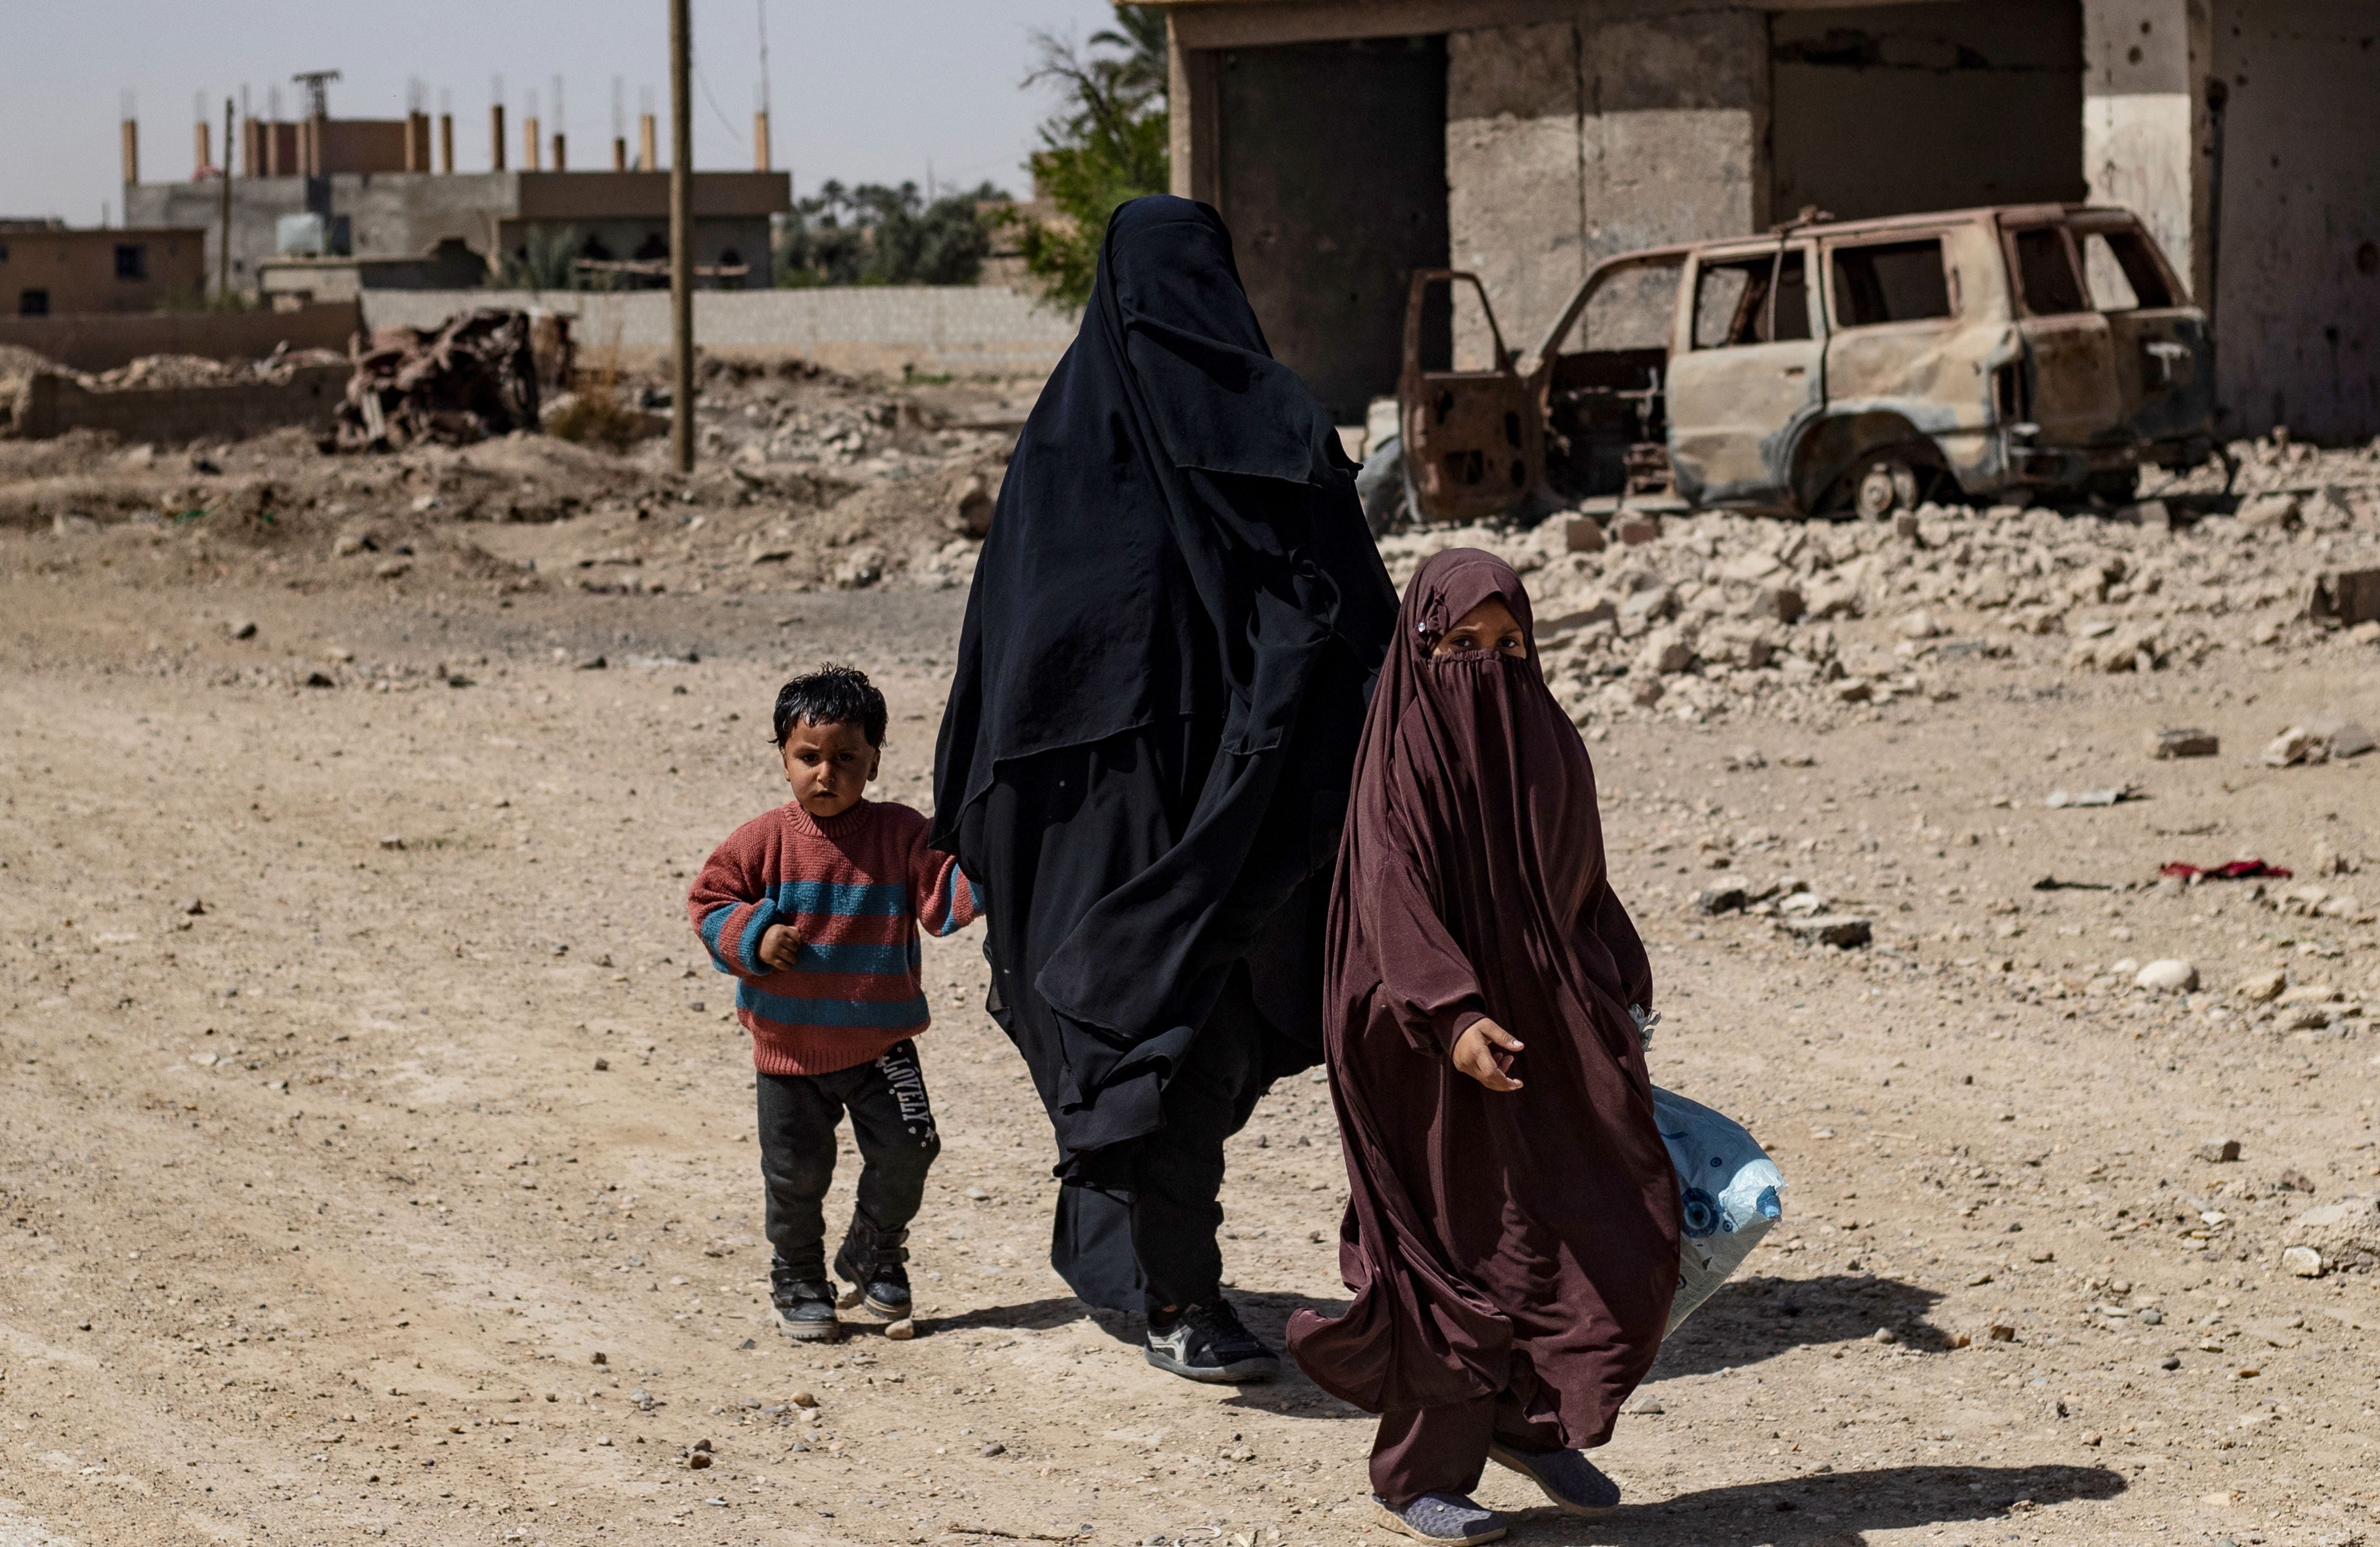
{"x":854,"y":888}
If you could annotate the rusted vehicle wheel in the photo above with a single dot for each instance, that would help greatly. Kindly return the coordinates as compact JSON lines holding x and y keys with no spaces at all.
{"x":1888,"y":484}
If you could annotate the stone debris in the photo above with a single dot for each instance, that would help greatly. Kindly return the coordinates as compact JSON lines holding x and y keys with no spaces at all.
{"x":2188,"y":742}
{"x":2262,"y":987}
{"x":2345,"y":596}
{"x":2059,"y":800}
{"x":2317,"y":741}
{"x":2345,"y":1233}
{"x":1720,"y":900}
{"x":1842,"y":931}
{"x":2344,"y":739}
{"x":2218,"y":1152}
{"x":2171,"y":975}
{"x":2301,"y":1261}
{"x":1697,"y":615}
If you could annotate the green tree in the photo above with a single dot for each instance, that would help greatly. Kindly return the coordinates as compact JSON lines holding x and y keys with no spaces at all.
{"x":1104,"y":146}
{"x":875,"y":234}
{"x":546,"y":259}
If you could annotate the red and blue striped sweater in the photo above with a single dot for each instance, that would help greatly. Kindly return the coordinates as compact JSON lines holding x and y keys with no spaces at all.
{"x":854,"y":888}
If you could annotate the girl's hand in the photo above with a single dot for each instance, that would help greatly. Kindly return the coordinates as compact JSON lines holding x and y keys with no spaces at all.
{"x":780,"y":947}
{"x":1485,"y":1053}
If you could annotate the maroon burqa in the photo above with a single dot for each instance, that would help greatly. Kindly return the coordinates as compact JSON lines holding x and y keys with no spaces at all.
{"x":1524,"y":1244}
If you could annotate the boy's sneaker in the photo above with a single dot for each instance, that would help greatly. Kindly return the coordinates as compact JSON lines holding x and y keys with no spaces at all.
{"x":874,"y":1263}
{"x":805,"y":1307}
{"x":1576,"y":1485}
{"x":1449,"y":1519}
{"x":1207,"y":1343}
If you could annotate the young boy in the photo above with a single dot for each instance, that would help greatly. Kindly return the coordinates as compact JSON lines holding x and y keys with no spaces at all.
{"x":814,"y":908}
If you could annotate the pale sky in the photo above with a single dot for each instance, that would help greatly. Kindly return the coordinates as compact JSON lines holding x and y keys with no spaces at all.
{"x":866,"y":90}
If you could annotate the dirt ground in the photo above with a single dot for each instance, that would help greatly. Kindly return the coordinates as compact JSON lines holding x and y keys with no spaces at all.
{"x":377,"y":1162}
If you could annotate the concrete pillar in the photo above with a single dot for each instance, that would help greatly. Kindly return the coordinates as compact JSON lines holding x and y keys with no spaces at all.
{"x":649,"y":157}
{"x":130,"y":141}
{"x":201,"y":149}
{"x":496,"y":137}
{"x":1194,"y":148}
{"x":2240,"y":134}
{"x":1567,"y":141}
{"x":446,"y":142}
{"x":531,"y":152}
{"x":2145,"y":121}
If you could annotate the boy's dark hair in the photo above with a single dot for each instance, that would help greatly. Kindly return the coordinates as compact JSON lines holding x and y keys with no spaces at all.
{"x":830,"y":696}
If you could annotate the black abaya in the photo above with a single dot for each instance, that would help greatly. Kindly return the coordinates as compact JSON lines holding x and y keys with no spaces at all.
{"x":1144,"y":764}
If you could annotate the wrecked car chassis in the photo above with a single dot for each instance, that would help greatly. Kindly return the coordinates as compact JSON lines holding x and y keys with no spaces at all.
{"x":1824,"y":366}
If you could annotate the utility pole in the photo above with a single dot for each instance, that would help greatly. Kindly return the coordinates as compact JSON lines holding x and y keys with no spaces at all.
{"x":760,"y":114}
{"x":223,"y":256}
{"x":682,"y":235}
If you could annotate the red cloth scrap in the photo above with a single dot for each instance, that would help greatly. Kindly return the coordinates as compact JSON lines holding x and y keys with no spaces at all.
{"x":2237,"y":870}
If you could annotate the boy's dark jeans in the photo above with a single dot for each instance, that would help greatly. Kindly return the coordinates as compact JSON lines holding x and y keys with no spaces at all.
{"x":897,"y":1143}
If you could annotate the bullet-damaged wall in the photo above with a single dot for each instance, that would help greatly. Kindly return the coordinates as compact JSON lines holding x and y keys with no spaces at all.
{"x":2144,"y":119}
{"x":2296,"y":291}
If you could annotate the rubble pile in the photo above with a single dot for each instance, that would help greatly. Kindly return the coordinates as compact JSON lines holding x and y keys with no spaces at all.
{"x":156,"y":371}
{"x":469,"y":381}
{"x":798,"y":415}
{"x":1703,"y":615}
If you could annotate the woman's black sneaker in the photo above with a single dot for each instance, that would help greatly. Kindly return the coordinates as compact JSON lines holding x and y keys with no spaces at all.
{"x":1207,"y":1343}
{"x":875,"y":1263}
{"x":805,"y":1307}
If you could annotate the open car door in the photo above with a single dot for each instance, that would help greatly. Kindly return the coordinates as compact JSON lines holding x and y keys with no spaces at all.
{"x":1472,"y":444}
{"x":2158,"y":338}
{"x":1599,"y":378}
{"x":2069,"y":346}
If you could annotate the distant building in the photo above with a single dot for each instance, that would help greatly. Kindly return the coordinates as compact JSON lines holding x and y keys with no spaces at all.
{"x":1349,"y":142}
{"x":364,"y":189}
{"x":48,"y":269}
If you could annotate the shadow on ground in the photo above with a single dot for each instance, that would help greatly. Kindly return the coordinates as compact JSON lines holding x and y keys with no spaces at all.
{"x":1747,"y":1322}
{"x":1758,"y":1318}
{"x":1045,"y":1315}
{"x":1837,"y":1509}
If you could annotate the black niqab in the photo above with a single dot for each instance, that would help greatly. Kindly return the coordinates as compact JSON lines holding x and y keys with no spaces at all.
{"x":1110,"y":580}
{"x":1177,"y":571}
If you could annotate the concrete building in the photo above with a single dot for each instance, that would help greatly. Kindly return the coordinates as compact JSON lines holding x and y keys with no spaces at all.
{"x":1351,"y":141}
{"x":364,"y":188}
{"x":50,"y":270}
{"x":609,"y":216}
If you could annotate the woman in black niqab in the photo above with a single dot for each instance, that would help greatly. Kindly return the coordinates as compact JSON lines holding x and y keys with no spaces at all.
{"x":1145,"y":759}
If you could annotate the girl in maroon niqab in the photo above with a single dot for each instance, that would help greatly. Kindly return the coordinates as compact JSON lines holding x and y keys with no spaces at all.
{"x":1511,"y":1234}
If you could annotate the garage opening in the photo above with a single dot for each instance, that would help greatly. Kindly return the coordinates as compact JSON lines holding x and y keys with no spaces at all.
{"x":1331,"y":173}
{"x":1883,"y":110}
